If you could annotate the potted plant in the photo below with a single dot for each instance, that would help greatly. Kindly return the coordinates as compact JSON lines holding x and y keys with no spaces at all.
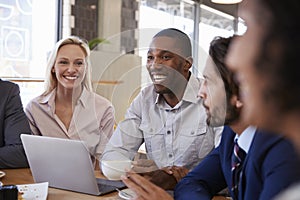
{"x":93,"y":43}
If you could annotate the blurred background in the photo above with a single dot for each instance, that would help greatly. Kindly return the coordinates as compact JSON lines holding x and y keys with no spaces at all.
{"x":30,"y":28}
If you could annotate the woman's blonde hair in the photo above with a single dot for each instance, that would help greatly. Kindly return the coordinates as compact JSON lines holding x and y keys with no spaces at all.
{"x":50,"y":78}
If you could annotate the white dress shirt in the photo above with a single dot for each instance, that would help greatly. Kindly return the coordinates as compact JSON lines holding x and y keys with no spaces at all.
{"x":173,"y":136}
{"x":245,"y":139}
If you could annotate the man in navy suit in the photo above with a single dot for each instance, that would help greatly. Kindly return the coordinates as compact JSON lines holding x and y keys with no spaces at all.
{"x":13,"y":123}
{"x":271,"y":164}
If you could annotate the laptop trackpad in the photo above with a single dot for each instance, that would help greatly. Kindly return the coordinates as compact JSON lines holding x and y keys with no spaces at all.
{"x":106,"y":186}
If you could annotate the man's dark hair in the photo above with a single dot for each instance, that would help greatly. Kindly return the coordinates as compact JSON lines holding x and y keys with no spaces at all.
{"x":218,"y":51}
{"x":182,"y":39}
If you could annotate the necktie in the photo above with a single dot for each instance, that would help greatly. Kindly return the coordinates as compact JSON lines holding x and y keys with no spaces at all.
{"x":237,"y":160}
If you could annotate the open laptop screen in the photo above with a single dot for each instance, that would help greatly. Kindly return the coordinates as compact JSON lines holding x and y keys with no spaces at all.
{"x":65,"y":164}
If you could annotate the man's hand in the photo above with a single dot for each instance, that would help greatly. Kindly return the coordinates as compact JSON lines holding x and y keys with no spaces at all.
{"x":144,"y":189}
{"x":144,"y":166}
{"x":161,"y":178}
{"x":165,"y":178}
{"x":176,"y":171}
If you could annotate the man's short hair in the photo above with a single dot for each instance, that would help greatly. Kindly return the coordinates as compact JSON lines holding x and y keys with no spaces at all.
{"x":182,"y":39}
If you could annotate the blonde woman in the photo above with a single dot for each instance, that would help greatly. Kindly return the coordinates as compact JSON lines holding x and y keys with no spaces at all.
{"x":68,"y":108}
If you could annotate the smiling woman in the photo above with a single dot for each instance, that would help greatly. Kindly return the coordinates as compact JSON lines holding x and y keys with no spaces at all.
{"x":69,"y":68}
{"x":68,"y":98}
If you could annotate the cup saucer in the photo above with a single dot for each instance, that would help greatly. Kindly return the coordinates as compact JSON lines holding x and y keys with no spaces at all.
{"x":127,"y":194}
{"x":2,"y":174}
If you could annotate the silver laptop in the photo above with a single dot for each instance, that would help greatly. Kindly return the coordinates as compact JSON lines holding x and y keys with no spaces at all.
{"x":65,"y":164}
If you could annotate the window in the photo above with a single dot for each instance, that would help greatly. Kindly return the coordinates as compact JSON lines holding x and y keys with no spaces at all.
{"x":28,"y":32}
{"x":212,"y":23}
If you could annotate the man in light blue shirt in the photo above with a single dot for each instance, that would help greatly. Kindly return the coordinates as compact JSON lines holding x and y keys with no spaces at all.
{"x":167,"y":115}
{"x":270,"y":163}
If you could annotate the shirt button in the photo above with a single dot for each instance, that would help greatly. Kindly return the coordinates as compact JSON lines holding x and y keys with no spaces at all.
{"x":168,"y":132}
{"x":170,"y":155}
{"x":192,"y":133}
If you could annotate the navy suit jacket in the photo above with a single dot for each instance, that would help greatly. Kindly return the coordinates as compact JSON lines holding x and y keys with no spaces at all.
{"x":13,"y":122}
{"x":271,"y":165}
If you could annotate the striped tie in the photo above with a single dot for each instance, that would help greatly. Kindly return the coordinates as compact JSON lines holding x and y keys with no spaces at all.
{"x":237,"y":159}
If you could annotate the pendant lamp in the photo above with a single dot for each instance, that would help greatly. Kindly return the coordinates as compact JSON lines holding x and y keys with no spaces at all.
{"x":226,"y":1}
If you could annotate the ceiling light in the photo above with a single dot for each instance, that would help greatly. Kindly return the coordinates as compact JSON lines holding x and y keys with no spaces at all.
{"x":226,"y":1}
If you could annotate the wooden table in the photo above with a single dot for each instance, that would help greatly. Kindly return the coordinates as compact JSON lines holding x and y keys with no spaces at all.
{"x":24,"y":176}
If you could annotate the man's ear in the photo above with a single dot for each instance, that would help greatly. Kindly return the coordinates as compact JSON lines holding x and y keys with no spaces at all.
{"x":189,"y":63}
{"x":239,"y":104}
{"x":236,"y":101}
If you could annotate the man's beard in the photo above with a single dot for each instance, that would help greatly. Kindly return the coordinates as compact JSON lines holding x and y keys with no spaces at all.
{"x":232,"y":114}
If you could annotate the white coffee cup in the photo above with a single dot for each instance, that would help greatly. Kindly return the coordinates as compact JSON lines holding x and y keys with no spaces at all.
{"x":114,"y":169}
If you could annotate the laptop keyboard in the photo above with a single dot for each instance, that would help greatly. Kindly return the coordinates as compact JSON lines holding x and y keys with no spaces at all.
{"x":105,"y":186}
